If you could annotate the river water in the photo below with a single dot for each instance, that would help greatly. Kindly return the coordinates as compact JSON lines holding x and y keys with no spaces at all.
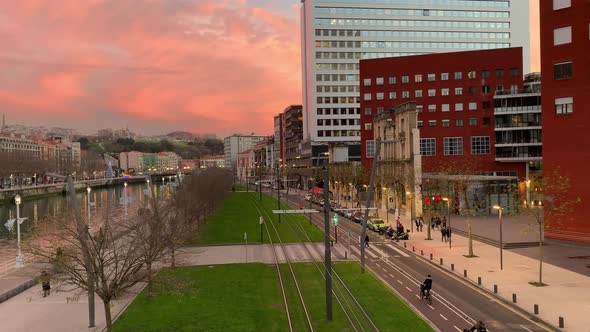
{"x":50,"y":207}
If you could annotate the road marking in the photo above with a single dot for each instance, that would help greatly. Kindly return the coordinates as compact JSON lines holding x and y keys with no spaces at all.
{"x":380,"y":252}
{"x":400,"y":281}
{"x":398,"y":250}
{"x":391,"y":275}
{"x":417,"y":296}
{"x":456,"y":328}
{"x":370,"y":253}
{"x":431,"y":307}
{"x":445,"y":318}
{"x":408,"y":288}
{"x":524,"y":327}
{"x":379,"y":266}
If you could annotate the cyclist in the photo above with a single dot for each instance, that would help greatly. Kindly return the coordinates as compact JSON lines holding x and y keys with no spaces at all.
{"x":479,"y":327}
{"x":426,"y":286}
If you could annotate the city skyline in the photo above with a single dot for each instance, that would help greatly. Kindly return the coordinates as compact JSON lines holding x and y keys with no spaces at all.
{"x":200,"y":66}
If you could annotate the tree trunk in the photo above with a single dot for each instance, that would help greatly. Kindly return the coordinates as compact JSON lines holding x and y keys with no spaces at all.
{"x":470,"y":238}
{"x":173,"y":257}
{"x":540,"y":253}
{"x":149,"y":276}
{"x":107,"y":315}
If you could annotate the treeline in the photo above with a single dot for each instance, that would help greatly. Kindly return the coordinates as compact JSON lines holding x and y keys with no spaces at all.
{"x":187,"y":150}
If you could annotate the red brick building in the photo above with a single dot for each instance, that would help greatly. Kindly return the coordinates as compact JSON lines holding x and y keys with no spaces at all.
{"x":454,"y":93}
{"x":565,"y":64}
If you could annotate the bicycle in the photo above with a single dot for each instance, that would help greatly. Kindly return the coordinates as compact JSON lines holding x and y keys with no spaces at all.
{"x":425,"y":295}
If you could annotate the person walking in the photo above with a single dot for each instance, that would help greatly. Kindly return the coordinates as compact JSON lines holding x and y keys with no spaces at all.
{"x":45,"y":285}
{"x":367,"y":241}
{"x":421,"y":223}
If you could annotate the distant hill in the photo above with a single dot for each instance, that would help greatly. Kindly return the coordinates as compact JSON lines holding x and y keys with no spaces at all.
{"x":181,"y":135}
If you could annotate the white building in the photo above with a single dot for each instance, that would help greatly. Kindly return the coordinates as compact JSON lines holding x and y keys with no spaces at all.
{"x":336,"y":34}
{"x":235,"y":144}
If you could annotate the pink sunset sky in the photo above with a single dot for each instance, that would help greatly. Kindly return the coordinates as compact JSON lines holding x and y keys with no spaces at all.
{"x":205,"y":66}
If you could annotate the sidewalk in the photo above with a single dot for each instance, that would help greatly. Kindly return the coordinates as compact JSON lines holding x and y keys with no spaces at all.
{"x":566,"y":296}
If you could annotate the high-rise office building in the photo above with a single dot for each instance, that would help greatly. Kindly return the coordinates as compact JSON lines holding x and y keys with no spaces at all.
{"x":336,"y":34}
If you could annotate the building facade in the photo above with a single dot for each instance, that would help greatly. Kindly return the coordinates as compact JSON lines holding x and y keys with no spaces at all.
{"x":293,"y":134}
{"x":337,"y":34}
{"x":278,"y":138}
{"x":235,"y":144}
{"x":565,"y":64}
{"x":212,"y":161}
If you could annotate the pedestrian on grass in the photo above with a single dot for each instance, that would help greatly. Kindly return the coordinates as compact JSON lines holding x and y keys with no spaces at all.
{"x":45,"y":285}
{"x":367,"y":241}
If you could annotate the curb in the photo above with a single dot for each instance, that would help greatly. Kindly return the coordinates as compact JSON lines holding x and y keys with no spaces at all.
{"x":474,"y":285}
{"x":17,"y":290}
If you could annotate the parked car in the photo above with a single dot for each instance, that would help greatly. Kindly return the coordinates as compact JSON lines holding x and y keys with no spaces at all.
{"x":357,"y":217}
{"x":376,"y":225}
{"x":348,"y":214}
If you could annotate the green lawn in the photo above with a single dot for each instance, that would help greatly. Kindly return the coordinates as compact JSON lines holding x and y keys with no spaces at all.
{"x":247,"y":297}
{"x":239,"y":214}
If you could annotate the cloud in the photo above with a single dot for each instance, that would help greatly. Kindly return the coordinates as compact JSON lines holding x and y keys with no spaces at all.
{"x":215,"y":66}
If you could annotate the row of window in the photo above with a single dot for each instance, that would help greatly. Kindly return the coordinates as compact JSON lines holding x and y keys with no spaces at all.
{"x":362,"y":55}
{"x":453,"y":146}
{"x":338,"y":111}
{"x":338,"y":122}
{"x":337,"y":66}
{"x":338,"y":100}
{"x":411,"y":34}
{"x":472,"y":90}
{"x":338,"y":88}
{"x":445,"y":123}
{"x":409,"y":12}
{"x":407,"y":44}
{"x":412,"y":23}
{"x":338,"y":133}
{"x":461,"y":3}
{"x":458,"y":107}
{"x":431,"y":77}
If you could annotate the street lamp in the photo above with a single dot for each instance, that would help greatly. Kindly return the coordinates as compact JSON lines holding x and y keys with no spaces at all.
{"x":20,"y":259}
{"x":88,"y":201}
{"x":411,"y":211}
{"x":448,"y":200}
{"x":528,"y":192}
{"x":499,"y":208}
{"x":125,"y":185}
{"x":387,"y":205}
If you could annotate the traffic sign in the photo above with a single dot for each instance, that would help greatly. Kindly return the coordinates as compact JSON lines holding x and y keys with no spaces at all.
{"x":335,"y":219}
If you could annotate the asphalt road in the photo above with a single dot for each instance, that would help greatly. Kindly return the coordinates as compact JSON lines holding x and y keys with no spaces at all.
{"x":456,"y":304}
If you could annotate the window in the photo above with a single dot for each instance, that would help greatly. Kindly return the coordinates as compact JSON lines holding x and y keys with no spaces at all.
{"x":370,"y":145}
{"x":562,"y":36}
{"x":471,"y":74}
{"x":428,"y":146}
{"x":431,"y":77}
{"x":458,"y":91}
{"x":453,"y":146}
{"x":445,"y":107}
{"x":499,"y":72}
{"x":431,"y":92}
{"x":499,"y":88}
{"x":420,"y":123}
{"x":472,"y":106}
{"x":480,"y":144}
{"x":379,"y":81}
{"x":472,"y":90}
{"x":562,"y":70}
{"x":432,"y":108}
{"x":368,"y":111}
{"x":513,"y":88}
{"x":472,"y":122}
{"x":418,"y":93}
{"x":514,"y":72}
{"x":459,"y":122}
{"x":444,"y":76}
{"x":392,"y":80}
{"x":405,"y":79}
{"x":419,"y":108}
{"x":560,"y":4}
{"x":405,"y":94}
{"x":444,"y":92}
{"x":367,"y":96}
{"x":417,"y":78}
{"x":431,"y":123}
{"x":368,"y":126}
{"x":564,"y":105}
{"x":379,"y":95}
{"x":446,"y":123}
{"x":485,"y":74}
{"x":392,"y":95}
{"x":459,"y":107}
{"x":458,"y":75}
{"x":367,"y":82}
{"x":485,"y":89}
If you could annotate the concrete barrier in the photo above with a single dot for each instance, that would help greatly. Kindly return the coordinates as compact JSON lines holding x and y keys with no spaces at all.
{"x":513,"y":298}
{"x":536,"y":309}
{"x":496,"y":289}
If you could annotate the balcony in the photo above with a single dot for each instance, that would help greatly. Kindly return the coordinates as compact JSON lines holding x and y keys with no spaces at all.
{"x":518,"y":125}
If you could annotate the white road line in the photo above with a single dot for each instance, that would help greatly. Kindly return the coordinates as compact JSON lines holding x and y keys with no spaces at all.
{"x":445,"y":318}
{"x":391,"y":275}
{"x":379,"y":266}
{"x":400,"y":281}
{"x":408,"y":288}
{"x":380,"y":252}
{"x":431,"y":307}
{"x":370,"y":253}
{"x":398,"y":250}
{"x":524,"y":327}
{"x":458,"y":329}
{"x":417,"y":296}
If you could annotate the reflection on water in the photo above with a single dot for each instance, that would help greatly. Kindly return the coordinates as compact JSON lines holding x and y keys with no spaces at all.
{"x":39,"y":210}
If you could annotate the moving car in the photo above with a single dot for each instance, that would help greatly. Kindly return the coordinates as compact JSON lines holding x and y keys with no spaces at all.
{"x":376,"y":225}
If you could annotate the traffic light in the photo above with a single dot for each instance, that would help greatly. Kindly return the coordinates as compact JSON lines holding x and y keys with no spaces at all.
{"x":427,"y":200}
{"x":437,"y":198}
{"x":335,"y":219}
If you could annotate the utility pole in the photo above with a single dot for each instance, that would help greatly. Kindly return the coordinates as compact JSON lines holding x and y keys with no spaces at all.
{"x":327,"y":253}
{"x":278,"y":190}
{"x":260,"y":182}
{"x":369,"y":200}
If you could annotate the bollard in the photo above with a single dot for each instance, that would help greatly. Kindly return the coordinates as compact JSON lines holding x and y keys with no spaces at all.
{"x":513,"y":297}
{"x":332,"y":243}
{"x":465,"y":273}
{"x":561,"y":323}
{"x":421,"y":252}
{"x":345,"y":255}
{"x":413,"y":249}
{"x":479,"y":281}
{"x":536,"y":309}
{"x":452,"y":267}
{"x":405,"y":245}
{"x":441,"y":261}
{"x":431,"y":258}
{"x":496,"y":289}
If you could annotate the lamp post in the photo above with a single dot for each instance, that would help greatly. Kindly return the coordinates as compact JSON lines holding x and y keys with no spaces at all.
{"x":448,"y":200}
{"x":163,"y":181}
{"x":261,"y":221}
{"x":125,"y":192}
{"x":528,"y":192}
{"x":387,"y":206}
{"x":88,"y":201}
{"x":411,"y":211}
{"x":499,"y":208}
{"x":20,"y":259}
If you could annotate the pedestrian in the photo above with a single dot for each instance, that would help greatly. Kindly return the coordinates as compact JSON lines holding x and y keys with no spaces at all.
{"x":417,"y":222}
{"x":367,"y":241}
{"x":443,"y":232}
{"x":421,"y":221}
{"x":432,"y":222}
{"x":45,"y":285}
